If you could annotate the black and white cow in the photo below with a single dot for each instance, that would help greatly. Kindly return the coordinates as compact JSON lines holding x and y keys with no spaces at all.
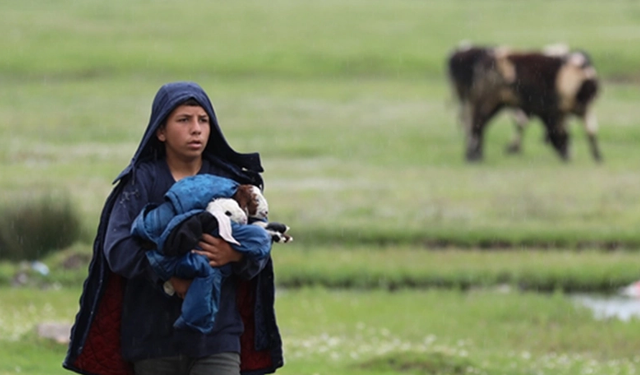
{"x":550,"y":84}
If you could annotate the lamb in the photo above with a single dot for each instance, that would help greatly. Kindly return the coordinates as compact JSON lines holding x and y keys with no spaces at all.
{"x":249,"y":202}
{"x":230,"y":208}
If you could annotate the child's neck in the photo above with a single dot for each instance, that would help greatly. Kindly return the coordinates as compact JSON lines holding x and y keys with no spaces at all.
{"x":184,"y":168}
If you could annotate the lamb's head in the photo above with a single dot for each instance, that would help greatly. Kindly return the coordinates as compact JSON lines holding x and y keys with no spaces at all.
{"x":228,"y":207}
{"x":251,"y":200}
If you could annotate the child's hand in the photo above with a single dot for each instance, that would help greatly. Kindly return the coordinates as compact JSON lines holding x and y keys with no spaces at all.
{"x":180,"y":286}
{"x":217,"y":250}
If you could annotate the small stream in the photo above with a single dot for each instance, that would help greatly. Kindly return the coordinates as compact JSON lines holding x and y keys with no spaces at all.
{"x":610,"y":306}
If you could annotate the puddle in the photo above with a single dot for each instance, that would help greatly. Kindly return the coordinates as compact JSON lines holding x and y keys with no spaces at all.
{"x":615,"y":306}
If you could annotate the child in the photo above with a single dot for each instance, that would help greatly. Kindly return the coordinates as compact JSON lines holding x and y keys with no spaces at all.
{"x":125,"y":322}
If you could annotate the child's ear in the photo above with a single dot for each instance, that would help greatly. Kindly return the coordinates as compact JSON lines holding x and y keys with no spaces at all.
{"x":160,"y":134}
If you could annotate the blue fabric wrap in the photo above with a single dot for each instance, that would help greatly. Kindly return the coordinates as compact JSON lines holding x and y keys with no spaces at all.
{"x":186,"y":198}
{"x":202,"y":300}
{"x":195,"y":192}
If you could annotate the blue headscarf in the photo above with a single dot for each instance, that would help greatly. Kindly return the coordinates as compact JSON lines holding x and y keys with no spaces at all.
{"x":170,"y":96}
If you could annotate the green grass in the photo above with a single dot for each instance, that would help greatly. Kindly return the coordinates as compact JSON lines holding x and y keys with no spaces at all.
{"x":395,"y":268}
{"x":377,"y":160}
{"x":287,"y":38}
{"x":401,"y":267}
{"x":347,"y":103}
{"x":489,"y":332}
{"x":381,"y":333}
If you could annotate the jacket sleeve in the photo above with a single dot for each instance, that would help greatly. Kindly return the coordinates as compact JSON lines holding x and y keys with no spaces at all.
{"x":124,"y":253}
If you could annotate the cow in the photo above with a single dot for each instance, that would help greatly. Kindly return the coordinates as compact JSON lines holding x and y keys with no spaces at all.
{"x":551,"y":85}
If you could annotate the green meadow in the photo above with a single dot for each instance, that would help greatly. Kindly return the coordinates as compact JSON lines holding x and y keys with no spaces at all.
{"x":346,"y":101}
{"x":373,"y":333}
{"x":400,"y":245}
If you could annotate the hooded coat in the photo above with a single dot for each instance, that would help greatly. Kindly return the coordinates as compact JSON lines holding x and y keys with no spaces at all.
{"x":95,"y":345}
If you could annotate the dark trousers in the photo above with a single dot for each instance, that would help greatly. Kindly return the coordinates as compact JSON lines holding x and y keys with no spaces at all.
{"x":217,"y":364}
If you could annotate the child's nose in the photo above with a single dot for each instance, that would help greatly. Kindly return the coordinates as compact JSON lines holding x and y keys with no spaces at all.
{"x":196,"y":127}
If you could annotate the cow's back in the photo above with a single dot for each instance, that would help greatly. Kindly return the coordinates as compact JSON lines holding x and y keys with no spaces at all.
{"x":534,"y":81}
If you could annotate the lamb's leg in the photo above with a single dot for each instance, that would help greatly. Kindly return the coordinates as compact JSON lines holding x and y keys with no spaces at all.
{"x":278,"y":231}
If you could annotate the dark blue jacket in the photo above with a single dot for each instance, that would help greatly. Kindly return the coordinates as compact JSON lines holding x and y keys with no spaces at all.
{"x":95,"y":346}
{"x":188,"y":198}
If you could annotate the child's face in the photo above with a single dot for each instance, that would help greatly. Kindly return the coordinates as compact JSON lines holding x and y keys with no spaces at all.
{"x":186,"y":132}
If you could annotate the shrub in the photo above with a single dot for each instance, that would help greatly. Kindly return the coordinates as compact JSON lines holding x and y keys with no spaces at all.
{"x":36,"y":224}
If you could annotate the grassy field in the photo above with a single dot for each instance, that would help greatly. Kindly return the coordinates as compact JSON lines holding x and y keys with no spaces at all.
{"x":348,"y":104}
{"x":364,"y":267}
{"x":428,"y":332}
{"x":81,"y":40}
{"x":376,"y":160}
{"x":353,"y":119}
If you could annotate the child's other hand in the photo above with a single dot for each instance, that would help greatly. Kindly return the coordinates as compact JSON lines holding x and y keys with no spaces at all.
{"x":180,"y":286}
{"x":217,"y":250}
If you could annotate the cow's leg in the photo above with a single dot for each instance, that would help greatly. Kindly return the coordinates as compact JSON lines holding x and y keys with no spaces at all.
{"x":557,"y":134}
{"x":467,"y":115}
{"x":464,"y":113}
{"x":479,"y":119}
{"x":474,"y":142}
{"x":520,"y":119}
{"x":591,"y":125}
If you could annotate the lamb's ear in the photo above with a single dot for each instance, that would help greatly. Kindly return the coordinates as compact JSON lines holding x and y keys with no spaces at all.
{"x":247,"y":195}
{"x":224,"y":227}
{"x":243,"y":196}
